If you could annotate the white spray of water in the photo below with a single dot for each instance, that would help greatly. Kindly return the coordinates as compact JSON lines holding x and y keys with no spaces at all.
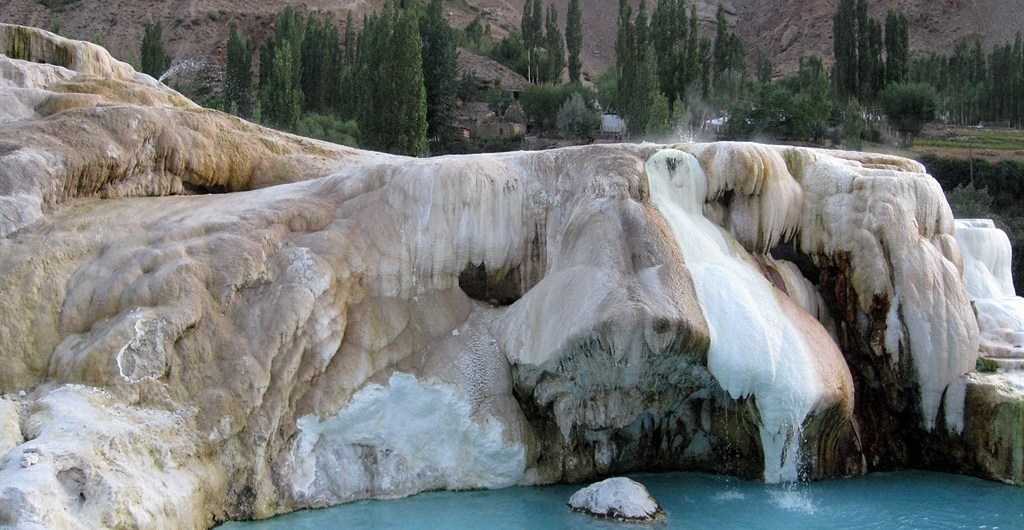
{"x":755,"y":350}
{"x":185,"y":65}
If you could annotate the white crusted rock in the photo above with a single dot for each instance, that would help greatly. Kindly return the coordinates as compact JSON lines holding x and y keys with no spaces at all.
{"x":617,"y":498}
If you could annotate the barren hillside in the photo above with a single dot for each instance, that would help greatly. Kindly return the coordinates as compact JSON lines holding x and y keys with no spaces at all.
{"x":784,"y":29}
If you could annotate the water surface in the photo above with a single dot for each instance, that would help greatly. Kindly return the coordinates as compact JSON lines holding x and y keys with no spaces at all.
{"x":903,"y":500}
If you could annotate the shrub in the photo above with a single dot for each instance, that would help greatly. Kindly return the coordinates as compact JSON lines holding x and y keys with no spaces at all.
{"x":909,"y":106}
{"x":576,"y":120}
{"x":329,"y":129}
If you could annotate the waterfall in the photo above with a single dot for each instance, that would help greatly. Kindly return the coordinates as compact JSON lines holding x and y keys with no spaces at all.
{"x":756,"y":351}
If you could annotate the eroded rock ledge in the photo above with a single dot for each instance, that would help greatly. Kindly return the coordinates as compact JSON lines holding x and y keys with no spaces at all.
{"x":208,"y":320}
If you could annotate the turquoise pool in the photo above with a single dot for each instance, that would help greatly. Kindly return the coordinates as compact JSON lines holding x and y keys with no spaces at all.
{"x":903,"y":500}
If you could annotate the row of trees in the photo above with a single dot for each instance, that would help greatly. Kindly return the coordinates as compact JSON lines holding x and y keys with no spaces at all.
{"x":866,"y":61}
{"x":974,"y":86}
{"x":665,"y":66}
{"x":396,"y":78}
{"x":538,"y":50}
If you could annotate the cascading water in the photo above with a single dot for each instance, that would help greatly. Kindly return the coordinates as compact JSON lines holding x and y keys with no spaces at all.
{"x":185,"y":65}
{"x":987,"y":256}
{"x":756,"y":351}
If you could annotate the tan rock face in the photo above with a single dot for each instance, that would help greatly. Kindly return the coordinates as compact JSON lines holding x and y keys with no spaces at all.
{"x":212,"y":320}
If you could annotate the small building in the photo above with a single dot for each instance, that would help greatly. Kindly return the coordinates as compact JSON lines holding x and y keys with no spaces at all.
{"x":497,"y":128}
{"x":612,"y":125}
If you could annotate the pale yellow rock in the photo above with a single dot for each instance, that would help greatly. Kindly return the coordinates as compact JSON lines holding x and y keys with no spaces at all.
{"x":10,"y":425}
{"x":217,"y":321}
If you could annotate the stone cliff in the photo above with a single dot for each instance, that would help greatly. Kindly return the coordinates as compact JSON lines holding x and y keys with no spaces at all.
{"x":205,"y":320}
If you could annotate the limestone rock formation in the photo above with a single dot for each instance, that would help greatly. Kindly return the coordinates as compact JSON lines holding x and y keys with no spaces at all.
{"x":208,"y":320}
{"x":617,"y":498}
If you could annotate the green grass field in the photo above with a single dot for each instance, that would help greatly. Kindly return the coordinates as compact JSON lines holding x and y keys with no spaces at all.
{"x":993,"y":139}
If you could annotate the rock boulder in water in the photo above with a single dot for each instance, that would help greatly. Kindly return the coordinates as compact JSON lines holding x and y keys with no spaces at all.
{"x":617,"y":498}
{"x":205,"y":320}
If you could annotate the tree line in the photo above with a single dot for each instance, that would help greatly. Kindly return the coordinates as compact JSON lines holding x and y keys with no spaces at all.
{"x":666,"y":73}
{"x":974,"y":86}
{"x":389,"y":86}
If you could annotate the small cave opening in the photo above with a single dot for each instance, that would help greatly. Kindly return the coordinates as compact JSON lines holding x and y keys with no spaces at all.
{"x":189,"y":188}
{"x":495,"y":287}
{"x":788,"y":251}
{"x":725,"y":198}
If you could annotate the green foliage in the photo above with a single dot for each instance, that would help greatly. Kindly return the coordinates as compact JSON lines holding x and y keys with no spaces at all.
{"x":844,"y":48}
{"x":765,"y":69}
{"x":238,"y":92}
{"x":1004,"y":179}
{"x":851,"y":128}
{"x":607,"y":85}
{"x":576,"y":120}
{"x":440,"y":71}
{"x":659,"y":122}
{"x":968,"y":202}
{"x":512,"y":52}
{"x":777,"y":115}
{"x":154,"y":60}
{"x":997,"y":193}
{"x":729,"y":52}
{"x":554,"y":44}
{"x":574,"y":40}
{"x":858,"y":46}
{"x":637,"y":69}
{"x":321,"y":66}
{"x":467,"y":88}
{"x":391,"y":101}
{"x":909,"y":106}
{"x":542,"y":103}
{"x":329,"y":129}
{"x":532,"y":27}
{"x":498,"y":100}
{"x":281,"y":95}
{"x":992,"y":139}
{"x":474,"y":33}
{"x":97,"y":39}
{"x":897,"y":47}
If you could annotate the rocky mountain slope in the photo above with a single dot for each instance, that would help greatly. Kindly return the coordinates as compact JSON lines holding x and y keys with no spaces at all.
{"x":781,"y":29}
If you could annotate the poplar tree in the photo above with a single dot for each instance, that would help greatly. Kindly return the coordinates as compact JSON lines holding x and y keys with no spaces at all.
{"x":721,"y":53}
{"x":532,"y":27}
{"x":238,"y":74}
{"x":440,"y":70}
{"x":154,"y":59}
{"x":625,"y":57}
{"x":554,"y":43}
{"x":391,"y":98}
{"x":844,"y":48}
{"x":574,"y":39}
{"x":875,"y":80}
{"x":865,"y":62}
{"x":645,"y":85}
{"x":897,"y":47}
{"x":280,"y":73}
{"x":282,"y":96}
{"x":663,"y":38}
{"x":321,"y":60}
{"x":691,"y":72}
